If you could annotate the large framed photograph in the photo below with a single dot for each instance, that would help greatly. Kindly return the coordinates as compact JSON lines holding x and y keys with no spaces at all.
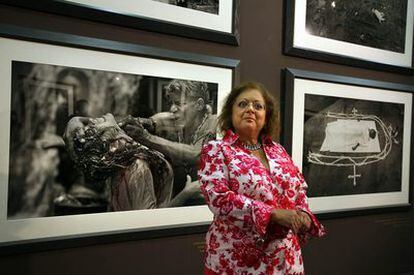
{"x":212,"y":20}
{"x":373,"y":34}
{"x":102,"y":137}
{"x":351,"y":139}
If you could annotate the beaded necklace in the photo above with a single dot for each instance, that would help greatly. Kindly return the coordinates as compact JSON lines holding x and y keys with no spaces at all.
{"x":252,"y":147}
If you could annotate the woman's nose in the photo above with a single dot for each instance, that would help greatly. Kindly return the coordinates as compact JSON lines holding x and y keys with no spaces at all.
{"x":250,"y":108}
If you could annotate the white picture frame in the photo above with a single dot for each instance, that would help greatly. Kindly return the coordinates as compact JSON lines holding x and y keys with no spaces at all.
{"x":218,"y":24}
{"x":342,"y":180}
{"x":100,"y":55}
{"x":301,"y":41}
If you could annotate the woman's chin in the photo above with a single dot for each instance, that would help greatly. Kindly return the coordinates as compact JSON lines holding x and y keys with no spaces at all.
{"x":249,"y":124}
{"x":247,"y":128}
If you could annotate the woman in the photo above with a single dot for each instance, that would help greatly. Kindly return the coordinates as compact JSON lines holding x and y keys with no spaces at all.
{"x":257,"y":194}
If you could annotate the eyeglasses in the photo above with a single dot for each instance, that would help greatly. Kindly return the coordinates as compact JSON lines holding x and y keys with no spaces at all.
{"x":244,"y":104}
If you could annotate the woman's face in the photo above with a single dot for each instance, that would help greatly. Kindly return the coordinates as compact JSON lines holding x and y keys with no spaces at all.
{"x":249,"y":113}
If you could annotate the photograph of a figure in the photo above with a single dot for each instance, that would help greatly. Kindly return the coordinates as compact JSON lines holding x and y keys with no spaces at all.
{"x":379,"y":24}
{"x":352,"y":146}
{"x":91,"y":141}
{"x":210,"y":6}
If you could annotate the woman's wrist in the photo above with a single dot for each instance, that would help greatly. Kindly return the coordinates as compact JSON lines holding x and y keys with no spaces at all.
{"x":306,"y":219}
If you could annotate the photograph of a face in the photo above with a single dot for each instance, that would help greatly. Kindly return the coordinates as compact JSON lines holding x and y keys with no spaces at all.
{"x":374,"y":23}
{"x":352,"y":146}
{"x":81,"y":140}
{"x":210,"y":6}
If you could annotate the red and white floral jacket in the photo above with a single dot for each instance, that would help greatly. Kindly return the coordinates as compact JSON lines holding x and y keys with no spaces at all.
{"x":241,"y":193}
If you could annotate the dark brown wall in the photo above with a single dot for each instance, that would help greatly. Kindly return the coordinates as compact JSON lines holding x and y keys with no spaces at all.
{"x":373,"y":244}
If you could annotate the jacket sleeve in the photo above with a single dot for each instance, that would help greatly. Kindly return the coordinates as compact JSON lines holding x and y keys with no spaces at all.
{"x":301,"y":203}
{"x":316,"y":229}
{"x":214,"y":176}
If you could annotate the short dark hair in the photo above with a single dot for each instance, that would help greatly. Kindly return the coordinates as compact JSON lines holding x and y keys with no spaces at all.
{"x":271,"y":126}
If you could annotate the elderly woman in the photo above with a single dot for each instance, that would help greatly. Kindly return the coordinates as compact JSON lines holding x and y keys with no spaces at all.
{"x":257,"y":194}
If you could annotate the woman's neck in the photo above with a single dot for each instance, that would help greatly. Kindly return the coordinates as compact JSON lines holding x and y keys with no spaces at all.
{"x":249,"y":139}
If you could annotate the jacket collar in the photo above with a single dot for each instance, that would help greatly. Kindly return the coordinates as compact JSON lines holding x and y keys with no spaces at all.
{"x":230,"y":137}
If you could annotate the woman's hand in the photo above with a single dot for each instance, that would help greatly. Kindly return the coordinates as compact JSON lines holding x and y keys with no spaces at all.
{"x":305,"y":219}
{"x":288,"y":218}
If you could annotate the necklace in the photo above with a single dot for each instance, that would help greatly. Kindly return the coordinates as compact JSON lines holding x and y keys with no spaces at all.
{"x":252,"y":147}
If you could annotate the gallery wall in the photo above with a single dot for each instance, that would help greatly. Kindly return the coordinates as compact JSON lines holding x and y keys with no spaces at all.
{"x":378,"y":243}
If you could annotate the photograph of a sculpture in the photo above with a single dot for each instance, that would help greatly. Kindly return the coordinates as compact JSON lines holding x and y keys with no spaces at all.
{"x":210,"y":6}
{"x":352,"y":146}
{"x":91,"y":141}
{"x":374,"y":23}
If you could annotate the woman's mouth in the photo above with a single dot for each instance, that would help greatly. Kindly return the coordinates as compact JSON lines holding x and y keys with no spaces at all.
{"x":249,"y":118}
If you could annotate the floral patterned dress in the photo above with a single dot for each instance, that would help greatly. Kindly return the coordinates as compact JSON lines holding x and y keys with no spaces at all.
{"x":242,"y":193}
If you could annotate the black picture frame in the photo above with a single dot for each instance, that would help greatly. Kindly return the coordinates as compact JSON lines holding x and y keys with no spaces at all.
{"x":307,"y":45}
{"x":126,"y":18}
{"x":310,"y":103}
{"x":53,"y":43}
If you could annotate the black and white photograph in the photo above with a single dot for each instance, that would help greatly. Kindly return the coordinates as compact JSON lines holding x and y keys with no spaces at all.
{"x":91,"y":135}
{"x":210,"y":20}
{"x":107,"y":141}
{"x":210,"y":6}
{"x":211,"y":15}
{"x":376,"y":34}
{"x":354,"y":143}
{"x":373,"y":23}
{"x":351,"y":142}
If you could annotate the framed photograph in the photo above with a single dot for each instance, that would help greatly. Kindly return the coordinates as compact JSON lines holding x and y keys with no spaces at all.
{"x":101,"y":137}
{"x":211,"y":20}
{"x":351,"y":139}
{"x":372,"y":34}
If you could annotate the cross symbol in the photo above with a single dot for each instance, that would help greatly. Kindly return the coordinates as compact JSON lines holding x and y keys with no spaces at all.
{"x":354,"y":176}
{"x":354,"y":111}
